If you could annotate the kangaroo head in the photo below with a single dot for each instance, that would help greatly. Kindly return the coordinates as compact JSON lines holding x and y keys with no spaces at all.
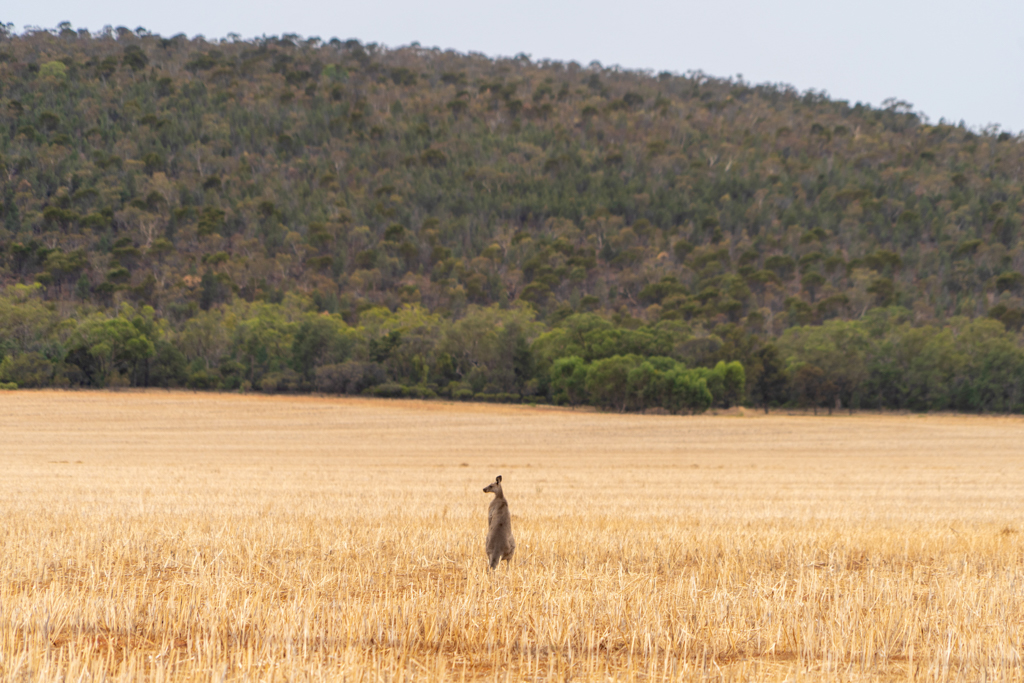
{"x":495,"y":487}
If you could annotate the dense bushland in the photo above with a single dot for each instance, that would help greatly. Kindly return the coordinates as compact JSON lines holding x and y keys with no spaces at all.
{"x":290,"y":214}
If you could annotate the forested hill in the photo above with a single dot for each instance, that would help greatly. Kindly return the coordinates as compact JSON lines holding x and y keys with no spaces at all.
{"x":266,"y":213}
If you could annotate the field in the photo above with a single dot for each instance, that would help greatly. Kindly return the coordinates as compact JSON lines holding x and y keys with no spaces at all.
{"x":182,"y":536}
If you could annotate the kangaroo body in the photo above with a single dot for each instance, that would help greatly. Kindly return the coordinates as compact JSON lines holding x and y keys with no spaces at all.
{"x":500,"y":543}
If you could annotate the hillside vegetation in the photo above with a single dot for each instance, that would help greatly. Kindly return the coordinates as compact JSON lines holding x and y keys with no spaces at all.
{"x":291,"y":214}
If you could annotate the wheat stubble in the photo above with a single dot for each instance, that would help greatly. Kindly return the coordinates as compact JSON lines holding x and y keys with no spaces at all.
{"x":182,"y":536}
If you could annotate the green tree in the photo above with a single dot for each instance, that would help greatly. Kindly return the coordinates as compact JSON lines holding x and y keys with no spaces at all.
{"x":135,"y":58}
{"x":206,"y":337}
{"x":769,"y":387}
{"x":114,"y":350}
{"x":27,"y":370}
{"x":811,"y":387}
{"x":262,"y":342}
{"x":644,"y":385}
{"x":690,"y":392}
{"x":407,"y":341}
{"x":26,"y":322}
{"x":54,"y":71}
{"x":992,"y":376}
{"x":568,"y":377}
{"x":320,"y":340}
{"x":734,"y":382}
{"x":167,"y":367}
{"x":490,"y":348}
{"x":839,"y":349}
{"x":607,"y":382}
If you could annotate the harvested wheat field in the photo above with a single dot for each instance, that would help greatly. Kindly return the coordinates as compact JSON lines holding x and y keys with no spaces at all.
{"x":181,"y":536}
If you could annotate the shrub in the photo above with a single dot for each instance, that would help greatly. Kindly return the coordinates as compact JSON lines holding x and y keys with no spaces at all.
{"x":202,"y":379}
{"x":350,"y":377}
{"x":281,"y":382}
{"x":26,"y":370}
{"x":388,"y":390}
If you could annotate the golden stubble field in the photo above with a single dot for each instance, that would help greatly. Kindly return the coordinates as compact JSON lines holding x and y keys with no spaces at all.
{"x":181,"y":536}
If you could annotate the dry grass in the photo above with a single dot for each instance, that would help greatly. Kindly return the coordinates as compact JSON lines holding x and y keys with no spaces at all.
{"x":177,"y":536}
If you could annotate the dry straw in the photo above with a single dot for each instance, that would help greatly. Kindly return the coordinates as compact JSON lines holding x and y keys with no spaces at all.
{"x":181,"y":537}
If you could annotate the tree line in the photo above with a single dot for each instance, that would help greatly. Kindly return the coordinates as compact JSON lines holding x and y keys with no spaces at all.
{"x":501,"y":354}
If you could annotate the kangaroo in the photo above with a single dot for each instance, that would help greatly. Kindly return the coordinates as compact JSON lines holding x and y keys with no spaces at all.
{"x":500,"y":543}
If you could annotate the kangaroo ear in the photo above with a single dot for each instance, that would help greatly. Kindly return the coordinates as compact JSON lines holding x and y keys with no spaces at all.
{"x":499,"y":479}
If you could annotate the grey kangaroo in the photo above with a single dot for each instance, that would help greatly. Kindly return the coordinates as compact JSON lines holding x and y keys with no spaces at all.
{"x":500,"y":543}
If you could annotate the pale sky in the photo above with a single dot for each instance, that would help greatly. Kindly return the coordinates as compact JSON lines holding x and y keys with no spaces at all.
{"x":952,"y":60}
